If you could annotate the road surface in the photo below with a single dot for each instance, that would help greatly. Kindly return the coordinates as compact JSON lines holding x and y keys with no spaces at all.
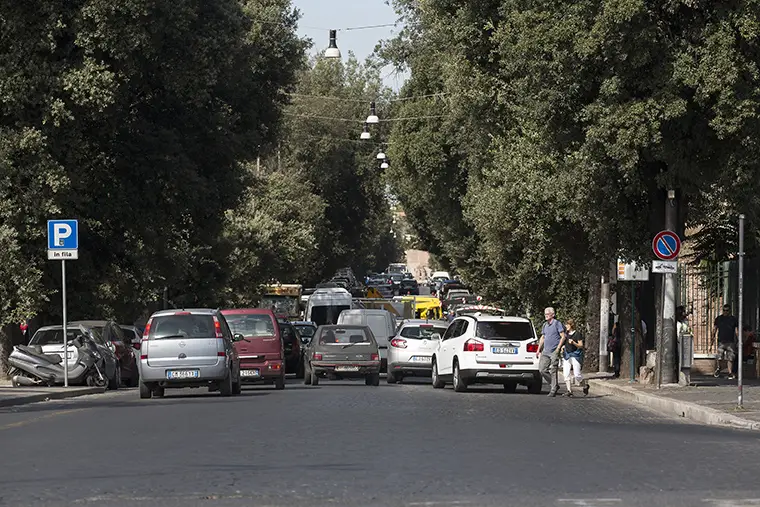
{"x":346,"y":444}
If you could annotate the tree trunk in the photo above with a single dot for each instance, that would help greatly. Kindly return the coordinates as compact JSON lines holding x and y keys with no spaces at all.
{"x":591,"y":331}
{"x":6,"y":346}
{"x":624,"y":312}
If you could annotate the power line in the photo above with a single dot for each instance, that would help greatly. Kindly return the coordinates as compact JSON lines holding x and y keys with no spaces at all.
{"x":347,"y":99}
{"x":348,"y":29}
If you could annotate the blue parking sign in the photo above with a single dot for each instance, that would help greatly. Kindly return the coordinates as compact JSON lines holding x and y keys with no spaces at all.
{"x":63,"y":239}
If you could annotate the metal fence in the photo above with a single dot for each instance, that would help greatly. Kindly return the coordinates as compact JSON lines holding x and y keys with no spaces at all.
{"x":703,"y":290}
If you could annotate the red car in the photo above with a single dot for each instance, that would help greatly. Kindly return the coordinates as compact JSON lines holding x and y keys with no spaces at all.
{"x":261,"y":349}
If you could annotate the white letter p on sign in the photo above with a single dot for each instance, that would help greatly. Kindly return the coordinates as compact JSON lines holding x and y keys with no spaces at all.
{"x":61,"y":232}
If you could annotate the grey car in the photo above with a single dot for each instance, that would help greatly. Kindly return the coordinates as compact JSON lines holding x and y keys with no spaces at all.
{"x":340,"y":352}
{"x":188,"y":348}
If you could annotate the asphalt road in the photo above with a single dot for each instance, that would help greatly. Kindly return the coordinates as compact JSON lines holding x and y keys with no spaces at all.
{"x":346,"y":444}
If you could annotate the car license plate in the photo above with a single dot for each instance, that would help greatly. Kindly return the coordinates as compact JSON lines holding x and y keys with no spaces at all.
{"x":504,"y":350}
{"x":346,"y":368}
{"x":421,"y":359}
{"x":249,"y":373}
{"x":181,"y":374}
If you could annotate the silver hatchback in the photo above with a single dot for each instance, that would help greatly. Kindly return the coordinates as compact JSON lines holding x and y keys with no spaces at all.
{"x":411,"y":350}
{"x":188,"y":348}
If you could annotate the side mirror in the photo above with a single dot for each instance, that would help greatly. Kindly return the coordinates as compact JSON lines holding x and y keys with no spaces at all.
{"x":237,"y":337}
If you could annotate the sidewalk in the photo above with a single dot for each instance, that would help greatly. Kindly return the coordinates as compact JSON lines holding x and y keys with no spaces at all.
{"x":707,"y":400}
{"x":10,"y":396}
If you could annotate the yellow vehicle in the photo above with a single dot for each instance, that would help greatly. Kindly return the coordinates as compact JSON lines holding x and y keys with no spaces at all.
{"x":282,"y":299}
{"x":425,"y":307}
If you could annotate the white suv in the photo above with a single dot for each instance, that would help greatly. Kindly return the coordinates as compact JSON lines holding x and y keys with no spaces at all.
{"x":487,"y":349}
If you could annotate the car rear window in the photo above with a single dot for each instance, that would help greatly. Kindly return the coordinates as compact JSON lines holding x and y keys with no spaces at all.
{"x":306,"y":331}
{"x":421,"y":332}
{"x":182,"y":326}
{"x":505,"y":330}
{"x":53,"y":336}
{"x":343,"y":336}
{"x":251,"y":325}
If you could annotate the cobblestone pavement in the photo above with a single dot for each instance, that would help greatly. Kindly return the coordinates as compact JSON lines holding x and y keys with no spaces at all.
{"x":346,"y":444}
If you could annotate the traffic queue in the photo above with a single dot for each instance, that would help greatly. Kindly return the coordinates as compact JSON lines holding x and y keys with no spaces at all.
{"x":340,"y":330}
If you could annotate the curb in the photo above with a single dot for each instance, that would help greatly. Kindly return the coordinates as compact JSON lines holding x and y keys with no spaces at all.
{"x":54,"y":395}
{"x":686,"y":409}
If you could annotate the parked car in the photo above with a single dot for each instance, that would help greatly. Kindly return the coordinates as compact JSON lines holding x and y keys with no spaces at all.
{"x":292,"y":346}
{"x":122,"y":346}
{"x":305,"y":331}
{"x":487,"y":349}
{"x":189,"y":348}
{"x":381,"y":322}
{"x":134,"y":333}
{"x":343,"y":352}
{"x":49,"y":340}
{"x":261,"y":351}
{"x":411,"y":350}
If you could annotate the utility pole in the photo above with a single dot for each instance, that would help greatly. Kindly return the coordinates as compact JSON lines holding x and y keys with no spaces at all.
{"x":604,"y":324}
{"x":669,"y":340}
{"x":740,"y":369}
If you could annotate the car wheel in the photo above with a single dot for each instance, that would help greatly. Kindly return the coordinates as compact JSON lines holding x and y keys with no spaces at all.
{"x":279,"y":382}
{"x":537,"y":384}
{"x":225,"y":387}
{"x":391,"y":378}
{"x":314,"y":378}
{"x":115,"y":382}
{"x":459,"y":383}
{"x":301,"y":373}
{"x":159,"y":392}
{"x":237,"y":387}
{"x":437,"y":382}
{"x":510,"y":387}
{"x":307,"y":376}
{"x":145,"y":391}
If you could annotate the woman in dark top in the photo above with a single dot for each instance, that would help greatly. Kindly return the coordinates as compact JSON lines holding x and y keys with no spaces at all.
{"x":573,"y":358}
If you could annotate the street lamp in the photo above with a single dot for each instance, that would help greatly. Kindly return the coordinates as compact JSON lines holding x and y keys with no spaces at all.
{"x":384,"y":165}
{"x":372,"y":118}
{"x":365,"y":132}
{"x":381,"y":156}
{"x":332,"y":50}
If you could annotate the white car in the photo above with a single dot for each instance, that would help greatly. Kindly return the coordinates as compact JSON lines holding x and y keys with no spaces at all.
{"x":411,"y":350}
{"x":487,"y":349}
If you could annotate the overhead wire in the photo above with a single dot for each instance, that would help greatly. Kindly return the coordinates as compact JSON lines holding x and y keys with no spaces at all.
{"x":348,"y":99}
{"x":319,"y":117}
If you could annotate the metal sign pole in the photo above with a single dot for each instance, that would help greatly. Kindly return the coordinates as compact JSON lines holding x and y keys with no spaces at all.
{"x":633,"y":331}
{"x":65,"y":334}
{"x":741,"y":310}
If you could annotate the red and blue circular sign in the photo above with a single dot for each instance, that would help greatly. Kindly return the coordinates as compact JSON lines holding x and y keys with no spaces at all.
{"x":666,"y":245}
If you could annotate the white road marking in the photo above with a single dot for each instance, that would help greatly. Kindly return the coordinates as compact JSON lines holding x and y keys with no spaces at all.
{"x":590,"y":502}
{"x":733,"y":502}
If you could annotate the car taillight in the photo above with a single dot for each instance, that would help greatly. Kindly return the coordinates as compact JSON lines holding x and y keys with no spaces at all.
{"x":143,"y":357}
{"x":182,"y":313}
{"x":221,"y":354}
{"x":375,"y":357}
{"x":473,"y":346}
{"x":218,"y":328}
{"x":136,"y":345}
{"x":146,"y":332}
{"x":398,"y":343}
{"x":532,"y":347}
{"x":317,"y":357}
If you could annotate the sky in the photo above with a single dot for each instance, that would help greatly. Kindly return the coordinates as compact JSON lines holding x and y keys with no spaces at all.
{"x":319,"y":16}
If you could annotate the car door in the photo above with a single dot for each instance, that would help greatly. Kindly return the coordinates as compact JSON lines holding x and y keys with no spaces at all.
{"x":445,"y":356}
{"x":107,"y":350}
{"x":123,"y":348}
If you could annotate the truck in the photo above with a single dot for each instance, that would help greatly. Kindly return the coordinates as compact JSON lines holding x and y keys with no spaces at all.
{"x":282,"y":299}
{"x":325,"y":305}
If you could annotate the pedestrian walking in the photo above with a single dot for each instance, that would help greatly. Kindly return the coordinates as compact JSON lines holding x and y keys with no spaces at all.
{"x":572,"y":359}
{"x":726,"y":330}
{"x":615,"y":346}
{"x":552,"y":340}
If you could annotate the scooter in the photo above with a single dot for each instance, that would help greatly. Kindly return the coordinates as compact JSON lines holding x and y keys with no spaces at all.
{"x":32,"y":367}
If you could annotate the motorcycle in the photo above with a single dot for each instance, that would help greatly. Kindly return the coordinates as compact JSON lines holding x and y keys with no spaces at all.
{"x":32,"y":367}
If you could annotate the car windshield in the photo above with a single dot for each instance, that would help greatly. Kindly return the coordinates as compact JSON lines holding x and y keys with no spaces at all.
{"x":251,"y":325}
{"x":306,"y":331}
{"x":182,"y":326}
{"x":53,"y":336}
{"x":463,"y":299}
{"x":421,"y":332}
{"x":287,"y":305}
{"x":506,"y":330}
{"x":341,"y":336}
